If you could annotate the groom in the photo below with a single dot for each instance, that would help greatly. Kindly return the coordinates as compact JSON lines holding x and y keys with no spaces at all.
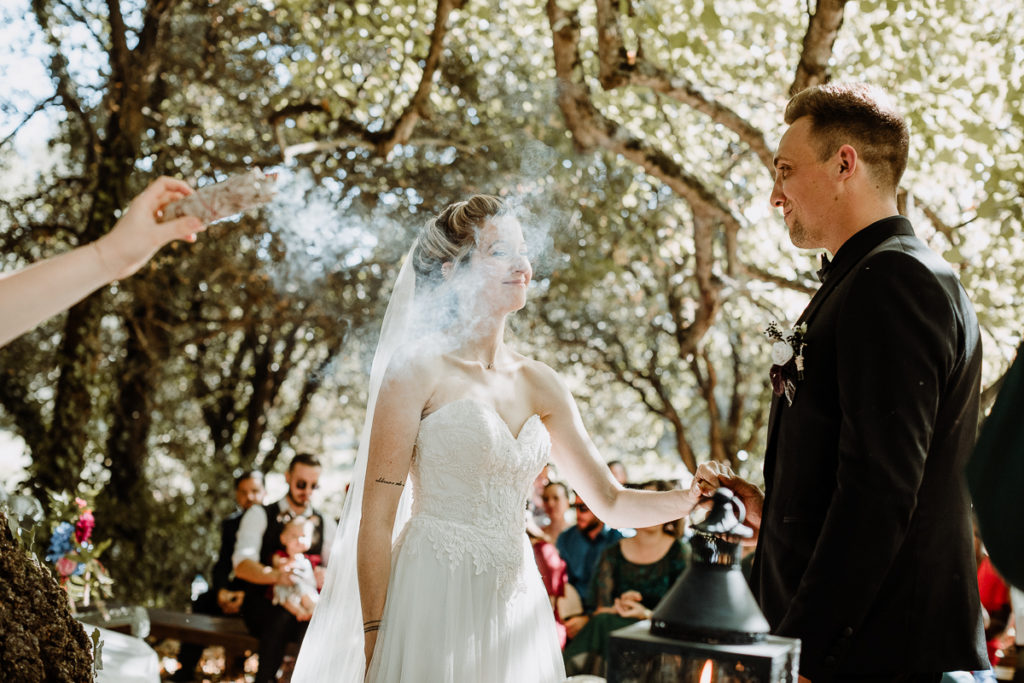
{"x":865,"y":543}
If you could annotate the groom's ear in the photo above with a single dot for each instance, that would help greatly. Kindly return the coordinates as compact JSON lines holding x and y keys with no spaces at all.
{"x":847,"y":161}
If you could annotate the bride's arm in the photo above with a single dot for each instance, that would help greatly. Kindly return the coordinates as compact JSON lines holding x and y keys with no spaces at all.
{"x":396,"y":421}
{"x":578,"y":459}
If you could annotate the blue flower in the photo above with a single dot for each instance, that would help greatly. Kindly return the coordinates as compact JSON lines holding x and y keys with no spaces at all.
{"x":60,"y":542}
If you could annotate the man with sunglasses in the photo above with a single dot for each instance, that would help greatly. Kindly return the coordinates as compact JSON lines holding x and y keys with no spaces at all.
{"x":258,"y":539}
{"x":581,"y":547}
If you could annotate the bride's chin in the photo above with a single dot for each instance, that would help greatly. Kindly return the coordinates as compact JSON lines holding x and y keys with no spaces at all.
{"x":519,"y":305}
{"x":509,"y":306}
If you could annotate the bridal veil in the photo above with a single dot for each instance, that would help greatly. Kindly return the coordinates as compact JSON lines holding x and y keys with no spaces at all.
{"x":332,"y":650}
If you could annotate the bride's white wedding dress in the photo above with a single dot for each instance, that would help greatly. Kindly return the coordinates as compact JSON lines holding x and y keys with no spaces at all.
{"x":465,"y":601}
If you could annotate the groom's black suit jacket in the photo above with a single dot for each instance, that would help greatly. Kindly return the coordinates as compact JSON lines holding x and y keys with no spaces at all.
{"x":866,"y":547}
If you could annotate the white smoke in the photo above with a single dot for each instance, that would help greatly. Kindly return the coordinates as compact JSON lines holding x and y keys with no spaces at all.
{"x":314,"y":230}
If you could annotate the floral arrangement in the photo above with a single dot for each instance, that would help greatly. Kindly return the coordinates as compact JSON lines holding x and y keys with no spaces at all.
{"x":787,"y":359}
{"x":75,"y":557}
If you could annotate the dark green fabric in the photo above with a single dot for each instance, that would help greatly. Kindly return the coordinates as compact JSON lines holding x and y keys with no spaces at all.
{"x":594,"y":636}
{"x":995,"y":475}
{"x":614,"y":576}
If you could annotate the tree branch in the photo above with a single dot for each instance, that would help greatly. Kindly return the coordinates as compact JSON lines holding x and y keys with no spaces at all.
{"x":764,"y":276}
{"x":822,"y":29}
{"x":618,"y":69}
{"x":119,"y":53}
{"x":14,"y":395}
{"x":418,"y":106}
{"x":65,"y":84}
{"x":38,"y":108}
{"x":383,"y":142}
{"x":592,"y":129}
{"x":314,"y":380}
{"x":670,"y":413}
{"x":359,"y":142}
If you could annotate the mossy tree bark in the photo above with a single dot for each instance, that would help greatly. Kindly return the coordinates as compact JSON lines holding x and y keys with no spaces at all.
{"x":40,"y":639}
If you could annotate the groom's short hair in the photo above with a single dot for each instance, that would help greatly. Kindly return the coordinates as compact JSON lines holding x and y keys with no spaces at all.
{"x":858,"y":115}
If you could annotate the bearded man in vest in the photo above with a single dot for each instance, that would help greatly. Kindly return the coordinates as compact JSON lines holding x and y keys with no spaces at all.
{"x":258,"y":539}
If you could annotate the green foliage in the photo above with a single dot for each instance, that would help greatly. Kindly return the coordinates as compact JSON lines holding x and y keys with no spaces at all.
{"x":234,"y":352}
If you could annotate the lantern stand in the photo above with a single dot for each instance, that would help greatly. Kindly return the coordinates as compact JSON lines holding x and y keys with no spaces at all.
{"x":708,"y":627}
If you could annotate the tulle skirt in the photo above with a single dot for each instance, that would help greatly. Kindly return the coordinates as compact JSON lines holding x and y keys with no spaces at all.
{"x":454,"y":622}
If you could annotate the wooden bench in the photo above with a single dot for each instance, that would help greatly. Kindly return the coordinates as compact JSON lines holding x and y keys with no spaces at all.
{"x":206,"y":630}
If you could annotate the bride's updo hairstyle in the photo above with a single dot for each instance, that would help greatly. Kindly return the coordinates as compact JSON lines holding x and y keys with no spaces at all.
{"x":451,"y":237}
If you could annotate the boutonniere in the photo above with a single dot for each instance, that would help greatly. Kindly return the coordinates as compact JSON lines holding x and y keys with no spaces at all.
{"x":787,"y":359}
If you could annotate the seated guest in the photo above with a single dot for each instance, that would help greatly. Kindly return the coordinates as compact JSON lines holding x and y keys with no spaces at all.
{"x":555,"y":500}
{"x":224,"y":598}
{"x":618,"y":471}
{"x":631,"y":578}
{"x":581,"y":547}
{"x":554,"y":575}
{"x":259,"y":537}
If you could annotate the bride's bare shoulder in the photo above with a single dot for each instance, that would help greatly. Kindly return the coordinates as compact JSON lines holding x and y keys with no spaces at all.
{"x":537,"y":371}
{"x":417,"y":362}
{"x":542,"y":379}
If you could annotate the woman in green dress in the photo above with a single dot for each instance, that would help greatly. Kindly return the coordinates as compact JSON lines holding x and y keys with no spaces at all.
{"x":631,"y":578}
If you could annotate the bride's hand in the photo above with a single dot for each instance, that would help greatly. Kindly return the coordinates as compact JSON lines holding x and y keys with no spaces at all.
{"x":712,"y":475}
{"x":708,"y":477}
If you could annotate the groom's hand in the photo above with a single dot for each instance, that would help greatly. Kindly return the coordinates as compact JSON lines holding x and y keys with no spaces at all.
{"x":712,"y":475}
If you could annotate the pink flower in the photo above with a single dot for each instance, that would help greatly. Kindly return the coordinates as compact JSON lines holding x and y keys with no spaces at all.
{"x":66,"y":566}
{"x":84,"y":526}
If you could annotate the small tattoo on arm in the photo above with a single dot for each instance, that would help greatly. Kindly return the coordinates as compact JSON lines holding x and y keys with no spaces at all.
{"x":382,"y":480}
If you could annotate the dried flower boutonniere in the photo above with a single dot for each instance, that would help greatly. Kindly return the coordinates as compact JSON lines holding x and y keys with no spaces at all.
{"x":787,"y":359}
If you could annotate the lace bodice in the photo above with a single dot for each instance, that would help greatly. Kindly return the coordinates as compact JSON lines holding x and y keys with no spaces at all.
{"x":471,"y":478}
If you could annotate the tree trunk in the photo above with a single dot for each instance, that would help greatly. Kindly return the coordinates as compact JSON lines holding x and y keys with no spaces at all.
{"x":40,"y":640}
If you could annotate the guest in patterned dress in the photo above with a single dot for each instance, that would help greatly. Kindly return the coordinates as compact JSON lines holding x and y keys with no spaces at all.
{"x":631,"y":578}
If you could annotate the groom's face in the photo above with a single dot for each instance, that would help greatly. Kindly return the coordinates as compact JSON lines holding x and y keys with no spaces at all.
{"x":805,"y":186}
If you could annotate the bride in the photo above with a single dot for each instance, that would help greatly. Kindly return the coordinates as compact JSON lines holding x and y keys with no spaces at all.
{"x":447,"y":585}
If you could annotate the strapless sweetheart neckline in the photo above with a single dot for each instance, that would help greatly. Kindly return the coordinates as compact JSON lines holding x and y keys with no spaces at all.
{"x":491,"y":409}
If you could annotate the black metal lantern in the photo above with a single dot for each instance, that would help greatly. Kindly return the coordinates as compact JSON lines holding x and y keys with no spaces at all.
{"x":708,"y":627}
